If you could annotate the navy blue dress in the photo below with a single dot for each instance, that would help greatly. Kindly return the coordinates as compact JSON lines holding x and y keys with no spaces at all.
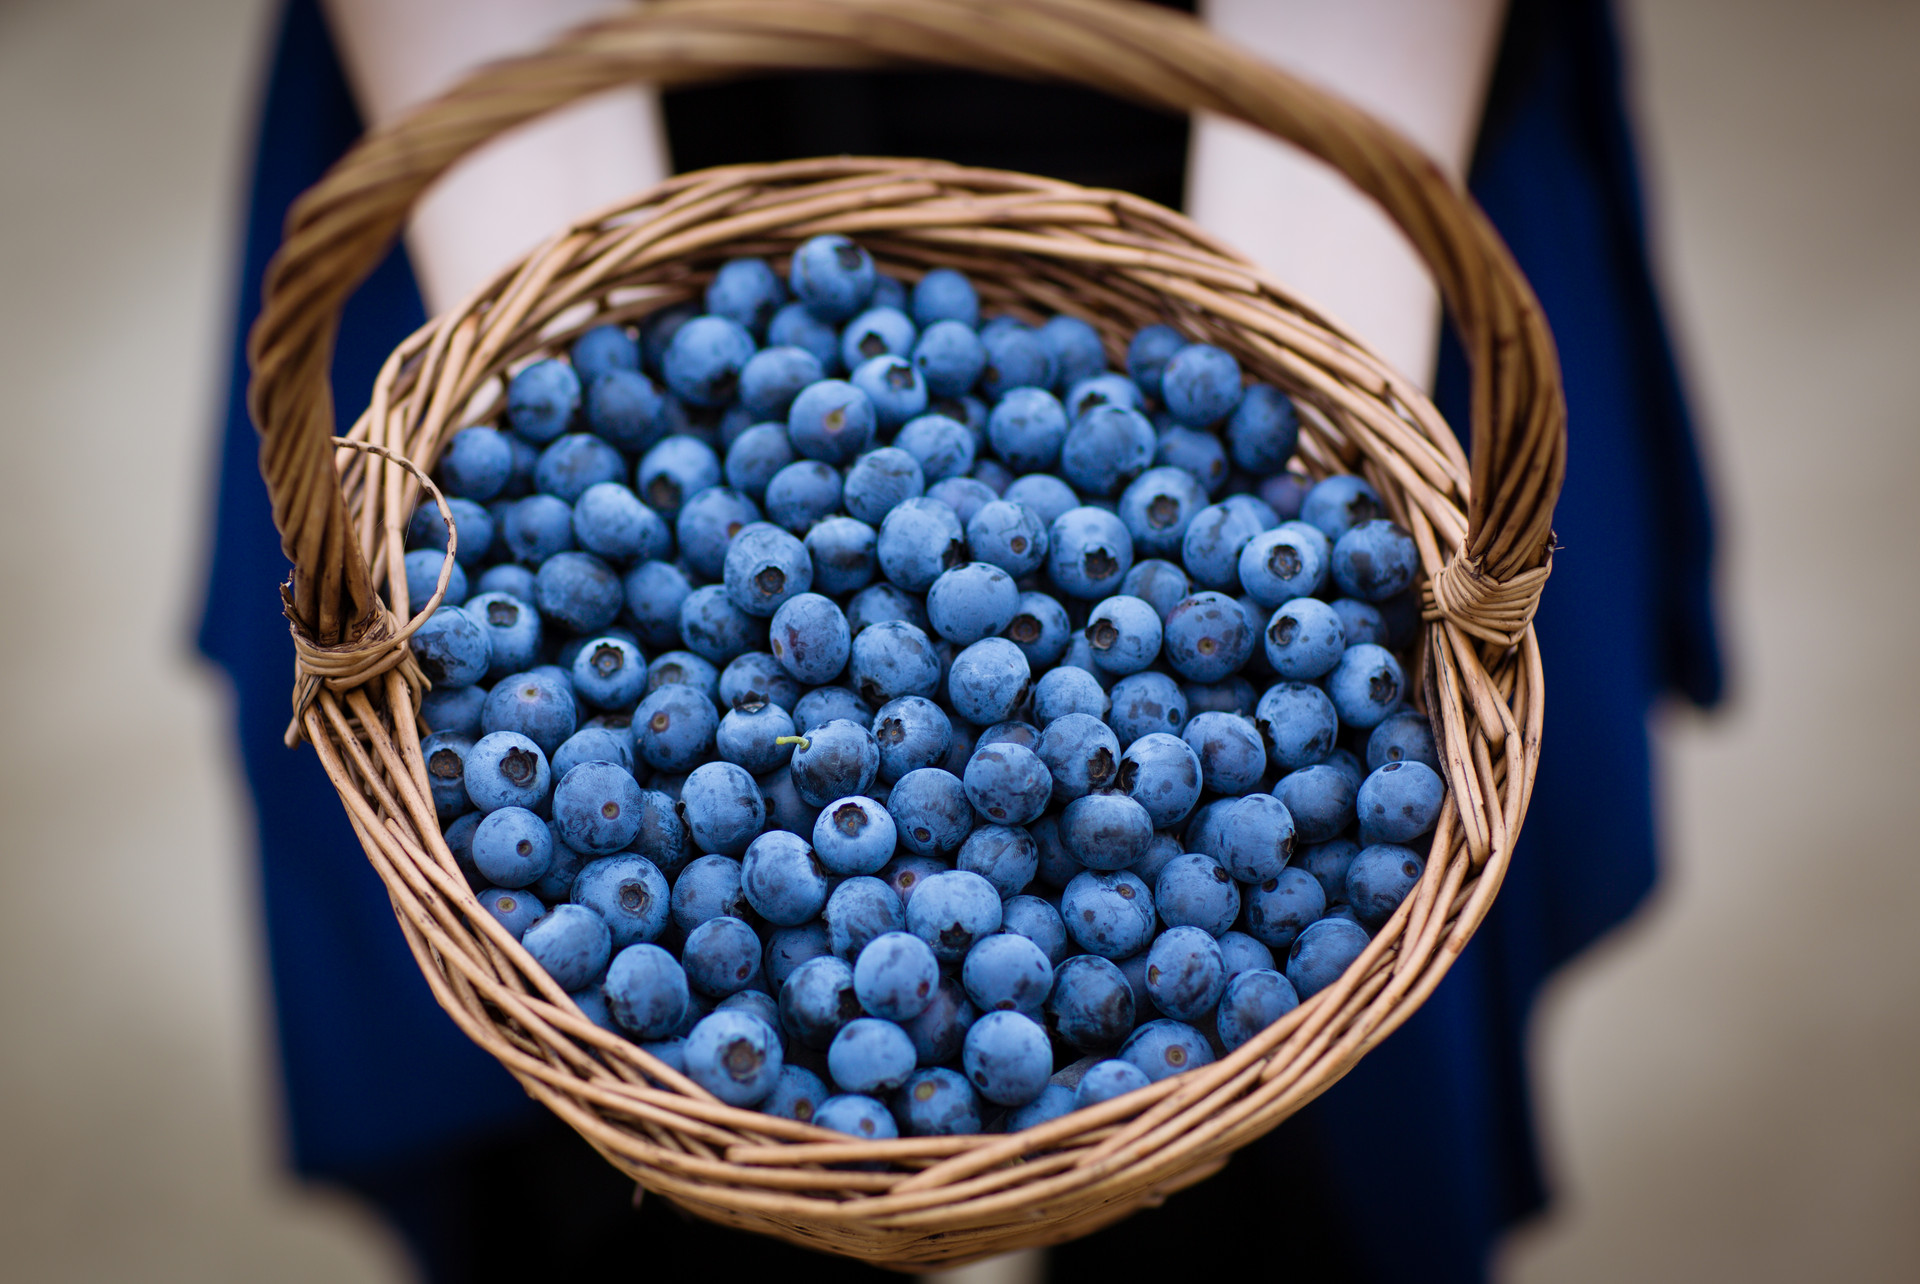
{"x":1407,"y":1169}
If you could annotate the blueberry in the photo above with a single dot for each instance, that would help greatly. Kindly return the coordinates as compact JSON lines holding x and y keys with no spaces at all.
{"x":937,"y":1102}
{"x":1105,"y":1080}
{"x":892,"y":660}
{"x":1109,"y":913}
{"x":624,"y":408}
{"x":722,"y":957}
{"x":942,"y":446}
{"x":542,"y":400}
{"x":597,"y":808}
{"x":988,"y":681}
{"x":941,"y":1027}
{"x":858,"y":1116}
{"x":473,"y":525}
{"x":1165,"y":846}
{"x":1145,"y":703}
{"x":506,"y":769}
{"x":1011,"y":732}
{"x":931,"y":812}
{"x":1089,"y":552}
{"x":703,"y":362}
{"x":952,"y":909}
{"x":749,"y":736}
{"x":854,"y":835}
{"x":663,"y":837}
{"x":1374,"y":561}
{"x":1185,"y":973}
{"x":1280,"y":907}
{"x":1320,"y":799}
{"x":971,"y":602}
{"x":572,"y":943}
{"x":1008,"y":536}
{"x":708,"y":888}
{"x":1253,"y":1001}
{"x":802,"y":493}
{"x":1027,"y":916}
{"x":911,"y":732}
{"x":945,"y":295}
{"x":673,"y":728}
{"x":445,"y":753}
{"x":683,"y":668}
{"x":1289,"y":561}
{"x":771,"y":380}
{"x":765,"y":566}
{"x":609,"y":673}
{"x":894,"y":388}
{"x":604,"y":349}
{"x":832,"y":276}
{"x":843,"y":555}
{"x":1214,"y":539}
{"x":794,"y":326}
{"x":1322,"y":954}
{"x":880,"y":602}
{"x":453,"y":649}
{"x":1148,"y":354}
{"x":1075,"y":348}
{"x":673,"y":471}
{"x":1124,"y":633}
{"x":1007,"y":1058}
{"x":1166,"y":1047}
{"x":717,"y":630}
{"x":734,"y":1055}
{"x":1091,"y":1006}
{"x":724,"y":810}
{"x":918,"y":540}
{"x":1406,"y":736}
{"x":1339,"y":503}
{"x":797,"y":1094}
{"x":757,"y":678}
{"x":1365,"y":686}
{"x":476,"y":465}
{"x":1161,"y":773}
{"x":576,"y":462}
{"x":789,"y":947}
{"x":822,"y":705}
{"x":707,"y":526}
{"x":1008,"y":785}
{"x":817,"y":1000}
{"x":629,"y":893}
{"x":1157,"y":507}
{"x":1007,"y":857}
{"x":423,"y":576}
{"x":1263,"y":431}
{"x":1105,"y":449}
{"x":1241,"y":953}
{"x":1042,"y":631}
{"x":654,"y":593}
{"x":949,"y":357}
{"x":1195,"y":890}
{"x":513,"y":909}
{"x":896,"y":976}
{"x":1198,"y":455}
{"x":1017,"y":357}
{"x":1102,"y":389}
{"x":1068,"y":689}
{"x":1048,"y":496}
{"x":1304,"y":639}
{"x":783,"y":879}
{"x":746,"y":292}
{"x":1232,"y":759}
{"x":511,"y":847}
{"x":1378,"y":879}
{"x":609,"y":521}
{"x":1328,"y":863}
{"x":1080,"y":752}
{"x":880,"y":479}
{"x":1200,"y":385}
{"x":869,"y":1055}
{"x":646,"y":991}
{"x":1298,"y":721}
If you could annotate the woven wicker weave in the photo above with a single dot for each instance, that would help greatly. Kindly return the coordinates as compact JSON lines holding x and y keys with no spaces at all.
{"x":1033,"y":246}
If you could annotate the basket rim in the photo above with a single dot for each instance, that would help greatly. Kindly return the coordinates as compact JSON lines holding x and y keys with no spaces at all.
{"x":416,"y":408}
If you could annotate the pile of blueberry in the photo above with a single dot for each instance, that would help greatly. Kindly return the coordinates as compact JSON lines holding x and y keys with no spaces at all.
{"x":908,"y":724}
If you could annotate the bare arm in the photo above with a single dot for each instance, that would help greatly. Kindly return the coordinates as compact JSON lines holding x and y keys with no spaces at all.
{"x":520,"y":189}
{"x":1420,"y":65}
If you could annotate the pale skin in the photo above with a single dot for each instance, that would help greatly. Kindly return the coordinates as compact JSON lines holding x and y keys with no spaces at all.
{"x":1421,"y":65}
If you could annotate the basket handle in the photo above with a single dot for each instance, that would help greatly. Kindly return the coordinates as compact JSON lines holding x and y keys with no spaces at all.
{"x":337,"y":232}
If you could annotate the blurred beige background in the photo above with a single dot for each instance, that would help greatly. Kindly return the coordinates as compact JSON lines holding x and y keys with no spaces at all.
{"x":1728,"y":1087}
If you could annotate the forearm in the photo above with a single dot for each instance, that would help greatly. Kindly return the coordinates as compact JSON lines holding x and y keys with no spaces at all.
{"x":1420,"y":65}
{"x":516,"y":191}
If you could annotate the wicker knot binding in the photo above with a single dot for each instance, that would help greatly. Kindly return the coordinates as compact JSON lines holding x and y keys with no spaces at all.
{"x":1493,"y":610}
{"x":378,"y":642}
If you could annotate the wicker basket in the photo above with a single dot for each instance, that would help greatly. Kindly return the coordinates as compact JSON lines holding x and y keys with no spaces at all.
{"x":1032,"y":246}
